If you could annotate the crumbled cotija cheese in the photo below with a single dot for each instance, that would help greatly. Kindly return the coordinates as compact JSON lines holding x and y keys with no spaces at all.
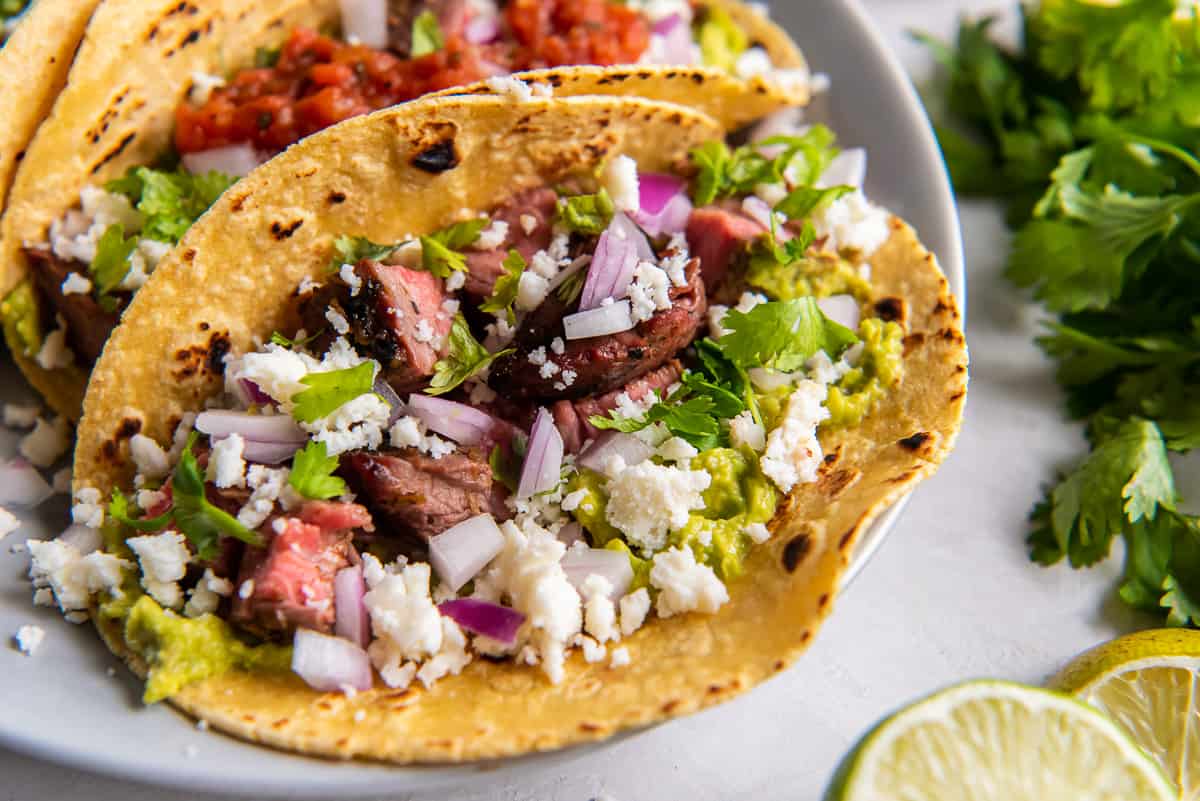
{"x":793,"y":453}
{"x":634,"y":608}
{"x":646,"y":501}
{"x":684,"y":585}
{"x":164,"y":559}
{"x":226,"y":465}
{"x":621,"y":181}
{"x":28,"y":638}
{"x":47,"y":442}
{"x":148,"y":456}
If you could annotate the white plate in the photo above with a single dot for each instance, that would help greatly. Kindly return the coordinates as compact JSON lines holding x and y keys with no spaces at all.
{"x":61,"y":705}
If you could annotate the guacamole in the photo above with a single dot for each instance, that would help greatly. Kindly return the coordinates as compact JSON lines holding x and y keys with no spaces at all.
{"x":738,"y":496}
{"x":19,"y":312}
{"x":878,"y":370}
{"x":721,"y":40}
{"x":818,"y":276}
{"x":182,"y":650}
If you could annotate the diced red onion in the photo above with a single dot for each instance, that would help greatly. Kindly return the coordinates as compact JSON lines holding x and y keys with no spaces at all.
{"x":620,"y":248}
{"x":759,"y":210}
{"x":267,"y":452}
{"x":677,"y":48}
{"x":665,"y":207}
{"x":482,"y":617}
{"x":257,"y":427}
{"x":667,"y":24}
{"x":655,"y":189}
{"x":578,"y":564}
{"x":352,"y":621}
{"x":848,"y":168}
{"x":571,"y":533}
{"x":384,"y":390}
{"x":482,"y":29}
{"x":84,"y":539}
{"x":464,"y":424}
{"x":253,"y":393}
{"x":842,"y":309}
{"x":366,"y":21}
{"x":542,"y":469}
{"x":22,"y":485}
{"x":330,"y":664}
{"x":236,"y":160}
{"x":461,"y":551}
{"x":614,"y":443}
{"x":602,"y":321}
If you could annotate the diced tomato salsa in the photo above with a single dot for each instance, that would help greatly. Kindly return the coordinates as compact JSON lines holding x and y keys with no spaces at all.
{"x":319,"y":80}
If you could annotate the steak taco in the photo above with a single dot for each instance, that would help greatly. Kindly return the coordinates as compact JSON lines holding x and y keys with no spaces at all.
{"x":572,"y":434}
{"x":169,"y":103}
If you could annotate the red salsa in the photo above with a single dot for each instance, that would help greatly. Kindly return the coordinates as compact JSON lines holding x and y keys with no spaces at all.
{"x":318,"y":80}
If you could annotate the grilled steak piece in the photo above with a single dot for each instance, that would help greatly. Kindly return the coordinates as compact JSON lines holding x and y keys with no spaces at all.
{"x":571,"y":417}
{"x":88,"y":325}
{"x":396,"y":318}
{"x":718,"y":236}
{"x":293,"y":574}
{"x":537,"y":206}
{"x":417,"y":497}
{"x":602,"y":364}
{"x":451,"y":15}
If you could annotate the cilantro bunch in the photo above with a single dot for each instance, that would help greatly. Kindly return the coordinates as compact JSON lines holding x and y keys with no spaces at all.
{"x":1088,"y":133}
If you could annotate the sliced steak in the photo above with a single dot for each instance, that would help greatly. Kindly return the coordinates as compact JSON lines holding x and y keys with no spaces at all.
{"x":484,"y":267}
{"x":571,"y":417}
{"x":396,"y":318}
{"x":292,"y":578}
{"x":88,"y":325}
{"x":336,"y":516}
{"x":602,"y":364}
{"x":415,"y":496}
{"x":718,"y":235}
{"x":451,"y":15}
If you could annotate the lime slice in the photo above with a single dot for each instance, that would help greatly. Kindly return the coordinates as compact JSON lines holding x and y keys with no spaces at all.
{"x":1148,"y":682}
{"x":997,"y":741}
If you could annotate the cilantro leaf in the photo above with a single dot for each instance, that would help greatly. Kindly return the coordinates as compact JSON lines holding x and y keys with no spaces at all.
{"x":440,"y":250}
{"x":426,"y":34}
{"x":111,"y":264}
{"x":170,"y":200}
{"x":586,"y":214}
{"x":353,"y":249}
{"x":313,"y":473}
{"x":329,"y":391}
{"x":505,"y":292}
{"x":118,"y":509}
{"x":466,"y":357}
{"x":782,"y":335}
{"x":692,"y":420}
{"x":804,"y":200}
{"x":721,"y":172}
{"x":711,"y":161}
{"x":279,"y":339}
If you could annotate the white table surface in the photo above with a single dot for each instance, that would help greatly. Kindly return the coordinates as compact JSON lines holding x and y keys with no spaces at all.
{"x":950,"y":595}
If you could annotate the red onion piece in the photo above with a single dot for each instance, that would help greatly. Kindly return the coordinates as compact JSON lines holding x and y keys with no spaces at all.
{"x":671,"y":220}
{"x":602,"y":321}
{"x":614,"y":443}
{"x":352,"y":621}
{"x":384,"y":390}
{"x":276,"y":428}
{"x":667,"y":24}
{"x":464,"y":424}
{"x":628,"y":229}
{"x":236,"y":160}
{"x":543,"y":460}
{"x":676,"y":48}
{"x":267,"y":452}
{"x":578,"y":564}
{"x":22,"y":485}
{"x":84,"y":539}
{"x":366,"y":21}
{"x":655,"y":189}
{"x":665,"y":207}
{"x":461,"y":551}
{"x":330,"y":664}
{"x":482,"y":617}
{"x":759,"y":210}
{"x":620,"y":248}
{"x":253,"y":393}
{"x":842,"y":309}
{"x":848,"y":168}
{"x":482,"y":29}
{"x":570,"y":534}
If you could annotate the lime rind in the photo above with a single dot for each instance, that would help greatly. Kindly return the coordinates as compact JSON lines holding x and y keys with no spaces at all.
{"x":998,"y":741}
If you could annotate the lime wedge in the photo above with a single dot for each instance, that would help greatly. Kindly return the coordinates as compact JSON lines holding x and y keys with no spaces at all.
{"x":1149,"y":683}
{"x":997,"y":741}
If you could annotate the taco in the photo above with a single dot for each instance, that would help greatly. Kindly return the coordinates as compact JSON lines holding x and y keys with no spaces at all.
{"x":169,"y":104}
{"x":570,"y":436}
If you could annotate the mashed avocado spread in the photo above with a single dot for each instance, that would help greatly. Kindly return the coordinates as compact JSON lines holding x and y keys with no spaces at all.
{"x":820,"y":276}
{"x":879,"y":369}
{"x":19,"y":312}
{"x":181,"y":650}
{"x":738,"y":496}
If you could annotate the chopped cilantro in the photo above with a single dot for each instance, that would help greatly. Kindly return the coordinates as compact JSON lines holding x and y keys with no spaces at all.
{"x":279,"y":339}
{"x":782,"y":335}
{"x":466,"y":357}
{"x":426,"y":34}
{"x":353,"y":249}
{"x":170,"y":201}
{"x":327,"y":392}
{"x":692,"y":419}
{"x":202,"y":523}
{"x":722,"y":172}
{"x":804,"y":200}
{"x":440,"y":250}
{"x":111,"y":264}
{"x":313,"y":473}
{"x":504,"y":295}
{"x":586,"y":214}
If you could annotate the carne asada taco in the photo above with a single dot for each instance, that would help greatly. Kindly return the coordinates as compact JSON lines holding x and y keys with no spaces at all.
{"x":170,"y":103}
{"x":476,"y":427}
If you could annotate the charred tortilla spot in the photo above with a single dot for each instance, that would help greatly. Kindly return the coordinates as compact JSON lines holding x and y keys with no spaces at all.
{"x":903,"y":477}
{"x":279,"y":724}
{"x":282,"y":232}
{"x":204,"y":326}
{"x":109,"y":450}
{"x":915,"y":441}
{"x":958,"y":395}
{"x":192,"y":37}
{"x":795,"y":551}
{"x":218,"y":348}
{"x":129,"y":426}
{"x":437,"y":158}
{"x":697,"y":78}
{"x":116,"y":151}
{"x":554,"y":80}
{"x":239,"y":202}
{"x":336,"y":197}
{"x":780,"y":664}
{"x":835,"y":482}
{"x":189,"y":255}
{"x":890,"y":310}
{"x":845,"y":540}
{"x":715,"y":689}
{"x":670,"y":706}
{"x":324,"y":706}
{"x":913,"y":341}
{"x":342,"y":742}
{"x":823,"y":601}
{"x":587,"y":726}
{"x":308,"y":173}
